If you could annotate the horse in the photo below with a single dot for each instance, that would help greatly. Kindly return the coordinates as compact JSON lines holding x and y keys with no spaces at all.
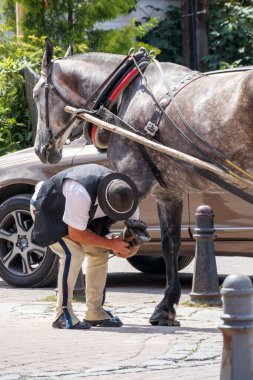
{"x":218,"y":107}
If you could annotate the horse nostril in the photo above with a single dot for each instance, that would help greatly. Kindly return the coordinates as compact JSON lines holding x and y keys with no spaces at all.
{"x":37,"y":150}
{"x":44,"y":149}
{"x":42,"y":152}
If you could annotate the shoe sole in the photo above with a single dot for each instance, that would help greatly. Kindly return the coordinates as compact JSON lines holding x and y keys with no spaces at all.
{"x":101,"y":324}
{"x":58,"y":327}
{"x":73,"y":328}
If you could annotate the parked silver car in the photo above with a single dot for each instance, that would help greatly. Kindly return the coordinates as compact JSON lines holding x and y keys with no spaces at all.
{"x":22,"y":263}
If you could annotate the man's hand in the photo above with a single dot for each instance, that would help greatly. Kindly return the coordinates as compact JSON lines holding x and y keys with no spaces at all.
{"x":121,"y":248}
{"x":87,"y":237}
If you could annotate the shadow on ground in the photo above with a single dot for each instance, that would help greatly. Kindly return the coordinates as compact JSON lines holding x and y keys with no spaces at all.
{"x":144,"y":279}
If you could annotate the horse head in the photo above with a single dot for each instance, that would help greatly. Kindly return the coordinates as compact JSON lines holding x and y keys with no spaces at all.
{"x":50,"y":95}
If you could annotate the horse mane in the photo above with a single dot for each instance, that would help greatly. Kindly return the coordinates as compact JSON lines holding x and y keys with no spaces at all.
{"x":93,"y":57}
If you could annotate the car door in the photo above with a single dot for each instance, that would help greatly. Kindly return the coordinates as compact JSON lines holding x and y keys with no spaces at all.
{"x":233,"y":221}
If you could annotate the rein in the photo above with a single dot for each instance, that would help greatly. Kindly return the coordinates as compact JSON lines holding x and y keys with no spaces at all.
{"x":218,"y":153}
{"x":50,"y":86}
{"x":170,"y":97}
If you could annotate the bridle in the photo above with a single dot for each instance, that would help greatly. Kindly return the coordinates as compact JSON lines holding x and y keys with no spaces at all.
{"x":50,"y":86}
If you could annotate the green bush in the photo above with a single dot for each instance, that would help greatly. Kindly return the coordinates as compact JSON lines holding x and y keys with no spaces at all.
{"x":230,"y":34}
{"x":62,"y":22}
{"x":15,"y":126}
{"x":15,"y":120}
{"x":166,"y":36}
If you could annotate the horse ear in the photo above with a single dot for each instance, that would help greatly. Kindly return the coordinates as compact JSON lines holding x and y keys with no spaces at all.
{"x":70,"y":50}
{"x":48,"y":55}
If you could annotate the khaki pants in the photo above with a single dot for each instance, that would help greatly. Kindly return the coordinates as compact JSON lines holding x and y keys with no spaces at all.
{"x":71,"y":256}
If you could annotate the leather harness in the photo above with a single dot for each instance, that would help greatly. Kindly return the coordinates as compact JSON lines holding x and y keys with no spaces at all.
{"x":105,"y":97}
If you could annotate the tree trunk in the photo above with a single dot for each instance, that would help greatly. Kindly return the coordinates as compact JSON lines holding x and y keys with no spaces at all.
{"x":194,"y":32}
{"x":70,"y":16}
{"x":19,"y":15}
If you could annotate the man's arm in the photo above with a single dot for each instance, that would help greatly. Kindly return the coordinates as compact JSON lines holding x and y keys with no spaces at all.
{"x":87,"y":237}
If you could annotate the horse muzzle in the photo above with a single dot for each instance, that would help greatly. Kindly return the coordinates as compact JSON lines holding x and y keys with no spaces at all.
{"x":48,"y":154}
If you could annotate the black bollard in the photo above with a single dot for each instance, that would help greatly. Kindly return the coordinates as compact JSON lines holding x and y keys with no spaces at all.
{"x":205,"y":283}
{"x":237,"y":328}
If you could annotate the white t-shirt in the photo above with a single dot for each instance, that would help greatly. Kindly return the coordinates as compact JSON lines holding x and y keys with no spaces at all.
{"x":78,"y":203}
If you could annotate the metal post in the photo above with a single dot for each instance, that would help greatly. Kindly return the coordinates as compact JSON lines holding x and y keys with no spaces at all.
{"x":237,"y":328}
{"x":79,"y":289}
{"x":205,"y":284}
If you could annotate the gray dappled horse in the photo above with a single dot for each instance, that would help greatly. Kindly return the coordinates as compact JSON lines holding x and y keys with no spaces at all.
{"x":218,"y":107}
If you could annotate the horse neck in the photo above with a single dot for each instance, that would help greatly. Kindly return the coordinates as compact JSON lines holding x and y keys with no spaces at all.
{"x":80,"y":77}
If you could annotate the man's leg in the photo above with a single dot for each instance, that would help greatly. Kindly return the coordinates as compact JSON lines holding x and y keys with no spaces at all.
{"x":95,"y":280}
{"x":71,"y":257}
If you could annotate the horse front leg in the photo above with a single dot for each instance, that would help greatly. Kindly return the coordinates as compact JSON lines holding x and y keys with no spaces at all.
{"x":170,"y":214}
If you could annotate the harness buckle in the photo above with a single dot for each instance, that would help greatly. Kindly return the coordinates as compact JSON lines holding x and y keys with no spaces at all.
{"x":151,"y":129}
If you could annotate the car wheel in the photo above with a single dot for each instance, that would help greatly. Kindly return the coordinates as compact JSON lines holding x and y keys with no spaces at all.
{"x":22,"y":262}
{"x":156,"y":265}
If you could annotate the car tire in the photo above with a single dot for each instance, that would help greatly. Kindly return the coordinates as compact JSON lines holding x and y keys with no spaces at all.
{"x":22,"y":262}
{"x":156,"y":265}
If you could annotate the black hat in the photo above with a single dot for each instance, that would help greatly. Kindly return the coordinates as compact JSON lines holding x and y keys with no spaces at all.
{"x":117,"y":196}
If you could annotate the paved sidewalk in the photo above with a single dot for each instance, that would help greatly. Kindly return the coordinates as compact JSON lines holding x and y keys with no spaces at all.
{"x":31,"y":349}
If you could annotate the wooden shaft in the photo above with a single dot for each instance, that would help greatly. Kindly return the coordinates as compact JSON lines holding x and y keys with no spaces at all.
{"x":242,"y":183}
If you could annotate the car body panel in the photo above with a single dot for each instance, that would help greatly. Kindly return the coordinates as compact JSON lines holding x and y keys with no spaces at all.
{"x":233,"y":220}
{"x":233,"y":217}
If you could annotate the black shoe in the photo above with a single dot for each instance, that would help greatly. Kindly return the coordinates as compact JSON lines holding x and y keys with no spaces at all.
{"x":60,"y":323}
{"x":81,"y":326}
{"x":112,"y":322}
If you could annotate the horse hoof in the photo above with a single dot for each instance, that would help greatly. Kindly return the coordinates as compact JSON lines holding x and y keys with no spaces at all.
{"x":165,"y":322}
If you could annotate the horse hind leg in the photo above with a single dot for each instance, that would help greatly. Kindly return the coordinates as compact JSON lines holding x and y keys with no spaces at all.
{"x":170,"y":214}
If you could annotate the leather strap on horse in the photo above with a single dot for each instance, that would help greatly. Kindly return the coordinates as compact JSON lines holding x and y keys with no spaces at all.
{"x":218,"y":181}
{"x":206,"y":170}
{"x":98,"y":96}
{"x":111,"y":89}
{"x":107,"y":115}
{"x":218,"y":153}
{"x":115,"y":120}
{"x":50,"y":86}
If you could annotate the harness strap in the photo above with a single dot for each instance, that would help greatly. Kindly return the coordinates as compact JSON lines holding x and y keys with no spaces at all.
{"x":181,"y":133}
{"x":51,"y":86}
{"x":218,"y":181}
{"x":189,"y":128}
{"x":114,"y":119}
{"x":122,"y":77}
{"x":156,"y":172}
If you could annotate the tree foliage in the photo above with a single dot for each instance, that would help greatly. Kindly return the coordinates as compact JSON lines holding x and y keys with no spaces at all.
{"x":230,"y":42}
{"x":62,"y":21}
{"x":230,"y":33}
{"x":167,"y":36}
{"x":15,"y":124}
{"x":69,"y":21}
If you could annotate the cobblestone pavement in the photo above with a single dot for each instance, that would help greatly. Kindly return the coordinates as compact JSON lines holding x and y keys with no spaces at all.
{"x":31,"y":349}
